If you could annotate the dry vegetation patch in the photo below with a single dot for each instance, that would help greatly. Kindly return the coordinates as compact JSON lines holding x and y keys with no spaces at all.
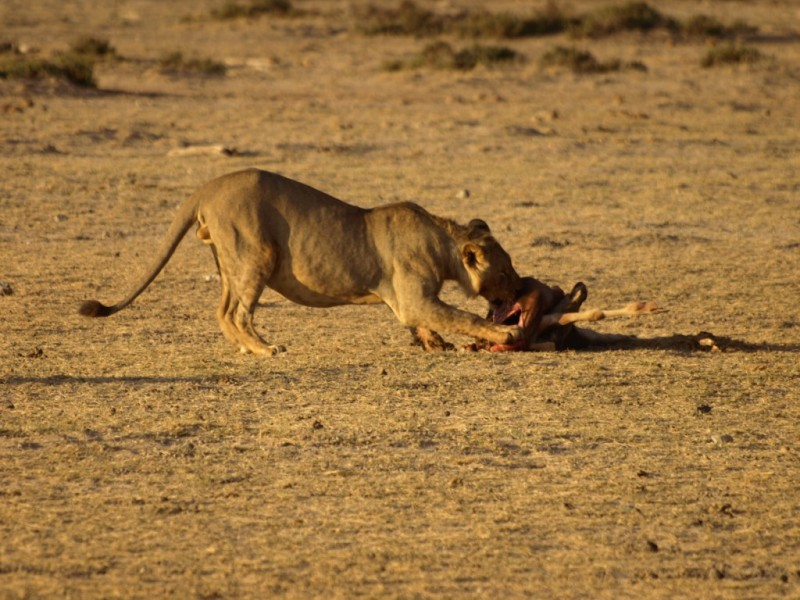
{"x":409,"y":18}
{"x":441,"y":55}
{"x":75,"y":66}
{"x":255,"y":8}
{"x":583,"y":61}
{"x":95,"y":47}
{"x":72,"y":68}
{"x":730,"y":53}
{"x":175,"y":63}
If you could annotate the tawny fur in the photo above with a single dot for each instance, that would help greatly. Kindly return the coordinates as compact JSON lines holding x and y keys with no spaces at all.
{"x":269,"y":231}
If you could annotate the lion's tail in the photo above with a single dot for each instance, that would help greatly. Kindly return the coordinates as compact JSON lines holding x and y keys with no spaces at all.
{"x":187,"y":214}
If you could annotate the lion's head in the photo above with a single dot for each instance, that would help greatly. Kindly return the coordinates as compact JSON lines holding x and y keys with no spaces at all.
{"x":488,"y":265}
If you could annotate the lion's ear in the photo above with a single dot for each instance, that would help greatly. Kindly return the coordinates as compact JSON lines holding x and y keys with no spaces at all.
{"x":477,"y":228}
{"x":472,"y":254}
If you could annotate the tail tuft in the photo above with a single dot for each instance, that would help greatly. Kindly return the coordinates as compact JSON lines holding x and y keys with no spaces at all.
{"x":93,"y":308}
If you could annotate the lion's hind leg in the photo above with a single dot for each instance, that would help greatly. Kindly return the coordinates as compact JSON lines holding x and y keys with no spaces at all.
{"x":243,"y":279}
{"x":225,"y":305}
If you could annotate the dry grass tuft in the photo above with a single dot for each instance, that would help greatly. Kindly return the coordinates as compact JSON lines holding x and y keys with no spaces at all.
{"x":256,"y":8}
{"x":441,"y":55}
{"x":72,"y":67}
{"x":633,"y":16}
{"x":75,"y":66}
{"x":408,"y":18}
{"x":549,"y":20}
{"x":583,"y":61}
{"x":730,"y":53}
{"x":174,"y":63}
{"x":93,"y":47}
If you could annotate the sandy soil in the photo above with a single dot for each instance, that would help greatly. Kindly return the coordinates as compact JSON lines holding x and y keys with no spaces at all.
{"x":141,"y":457}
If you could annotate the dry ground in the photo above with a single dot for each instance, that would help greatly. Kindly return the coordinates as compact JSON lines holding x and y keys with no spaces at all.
{"x":141,"y":457}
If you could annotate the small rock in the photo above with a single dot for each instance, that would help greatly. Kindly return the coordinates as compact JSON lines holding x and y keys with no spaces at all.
{"x":6,"y":289}
{"x":721,"y":439}
{"x":525,"y":131}
{"x":545,"y":116}
{"x":546,"y":241}
{"x":60,"y":218}
{"x":199,"y":150}
{"x":463,"y":194}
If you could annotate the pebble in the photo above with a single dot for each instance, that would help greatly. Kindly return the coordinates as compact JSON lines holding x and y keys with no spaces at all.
{"x":721,"y":439}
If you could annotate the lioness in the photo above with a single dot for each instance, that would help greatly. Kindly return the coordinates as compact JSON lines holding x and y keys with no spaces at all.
{"x":267,"y":230}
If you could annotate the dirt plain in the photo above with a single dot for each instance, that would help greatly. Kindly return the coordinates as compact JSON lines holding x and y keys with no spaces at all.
{"x":142,"y":457}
